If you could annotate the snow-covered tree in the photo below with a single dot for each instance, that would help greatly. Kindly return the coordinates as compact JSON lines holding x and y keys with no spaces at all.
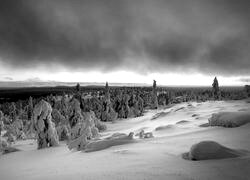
{"x":78,"y":87}
{"x":154,"y":99}
{"x":43,"y":125}
{"x":13,"y":112}
{"x":1,"y":122}
{"x":108,"y":113}
{"x":62,"y":125}
{"x":82,"y":126}
{"x":216,"y":89}
{"x":30,"y":108}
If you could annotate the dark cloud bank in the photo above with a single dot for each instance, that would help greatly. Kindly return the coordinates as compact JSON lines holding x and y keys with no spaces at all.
{"x":207,"y":36}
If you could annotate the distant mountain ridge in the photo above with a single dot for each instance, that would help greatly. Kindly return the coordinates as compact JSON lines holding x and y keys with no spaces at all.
{"x":18,"y":84}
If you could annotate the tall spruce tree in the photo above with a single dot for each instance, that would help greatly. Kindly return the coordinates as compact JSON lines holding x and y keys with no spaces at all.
{"x":216,"y":89}
{"x":154,"y":99}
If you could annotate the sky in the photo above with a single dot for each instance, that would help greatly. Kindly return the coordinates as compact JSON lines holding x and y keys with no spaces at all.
{"x":176,"y":42}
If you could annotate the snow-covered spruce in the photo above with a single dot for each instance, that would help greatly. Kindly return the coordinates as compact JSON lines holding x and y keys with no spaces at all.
{"x":43,"y":125}
{"x":82,"y":124}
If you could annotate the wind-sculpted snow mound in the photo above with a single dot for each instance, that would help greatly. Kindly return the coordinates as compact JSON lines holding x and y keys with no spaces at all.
{"x":43,"y":125}
{"x":165,"y":127}
{"x":114,"y":140}
{"x":159,"y":115}
{"x":182,"y":122}
{"x":206,"y":150}
{"x":229,"y":119}
{"x":178,"y":109}
{"x":144,"y":135}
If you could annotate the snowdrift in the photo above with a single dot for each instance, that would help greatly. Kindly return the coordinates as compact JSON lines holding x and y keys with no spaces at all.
{"x":115,"y":140}
{"x":182,"y":122}
{"x":166,"y":127}
{"x":211,"y":150}
{"x":230,"y":119}
{"x":159,"y":115}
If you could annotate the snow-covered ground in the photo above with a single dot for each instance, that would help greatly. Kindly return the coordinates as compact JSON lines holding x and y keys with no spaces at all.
{"x":178,"y":128}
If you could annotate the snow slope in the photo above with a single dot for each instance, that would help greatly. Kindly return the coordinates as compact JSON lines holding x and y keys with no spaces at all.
{"x":156,"y":158}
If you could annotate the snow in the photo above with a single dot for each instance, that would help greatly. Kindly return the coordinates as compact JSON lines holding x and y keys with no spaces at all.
{"x":109,"y":142}
{"x":211,"y":150}
{"x":154,"y":158}
{"x":230,"y":119}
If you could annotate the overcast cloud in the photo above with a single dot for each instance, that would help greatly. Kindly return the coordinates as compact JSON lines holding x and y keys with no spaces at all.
{"x":145,"y":36}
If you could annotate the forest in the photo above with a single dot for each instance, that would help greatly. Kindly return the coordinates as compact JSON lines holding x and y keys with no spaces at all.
{"x":68,"y":109}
